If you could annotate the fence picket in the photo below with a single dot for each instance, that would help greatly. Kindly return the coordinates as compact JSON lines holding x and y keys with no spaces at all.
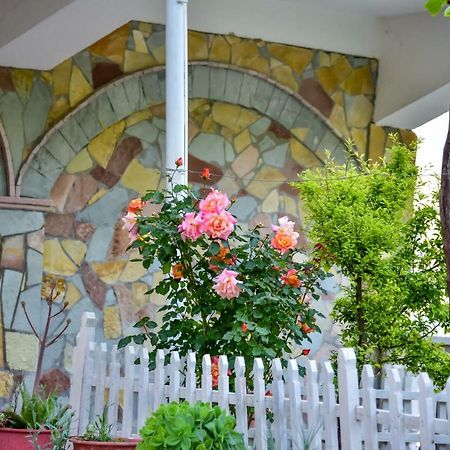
{"x":395,"y":408}
{"x":206,"y":379}
{"x":160,"y":380}
{"x":447,"y":395}
{"x":114,"y":386}
{"x":224,"y":385}
{"x":426,"y":412}
{"x":312,"y":411}
{"x":370,"y":409}
{"x":174,"y":374}
{"x":88,"y":377}
{"x":259,"y":389}
{"x":143,"y":389}
{"x":100,"y":379}
{"x":191,"y":380}
{"x":241,"y":398}
{"x":128,"y":390}
{"x":329,"y":408}
{"x":295,"y":402}
{"x":279,"y":424}
{"x":348,"y":400}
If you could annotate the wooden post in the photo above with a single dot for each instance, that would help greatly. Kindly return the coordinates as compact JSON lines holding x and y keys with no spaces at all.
{"x":395,"y":408}
{"x":260,"y":405}
{"x":369,"y":409}
{"x":280,"y":430}
{"x":426,"y":409}
{"x":241,"y":398}
{"x":348,"y":400}
{"x":128,"y":391}
{"x":295,"y":404}
{"x":329,"y":408}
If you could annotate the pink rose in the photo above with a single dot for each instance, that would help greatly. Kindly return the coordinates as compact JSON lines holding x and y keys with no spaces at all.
{"x":218,"y":225}
{"x":215,"y":202}
{"x":226,"y":284}
{"x":130,"y":224}
{"x":191,"y":226}
{"x":285,"y":237}
{"x":284,"y":225}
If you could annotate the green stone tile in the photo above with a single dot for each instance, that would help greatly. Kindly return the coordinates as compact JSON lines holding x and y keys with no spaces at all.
{"x":276,"y":103}
{"x":229,"y":152}
{"x":248,"y":89}
{"x":200,"y":82}
{"x":260,"y":126}
{"x":46,"y":164}
{"x":217,"y":79}
{"x":119,"y":101}
{"x":315,"y":135}
{"x":209,"y":147}
{"x":88,"y":121}
{"x":83,"y":61}
{"x":11,"y":110}
{"x":36,"y":185}
{"x":34,"y":267}
{"x":151,"y":156}
{"x":144,"y":130}
{"x":104,"y":111}
{"x":262,"y":96}
{"x":291,"y":110}
{"x":99,"y":244}
{"x":233,"y":86}
{"x":18,"y":222}
{"x":277,"y":156}
{"x":134,"y":92}
{"x":11,"y":284}
{"x":36,"y":111}
{"x":162,"y":84}
{"x":244,"y":208}
{"x":152,"y":89}
{"x":74,"y":135}
{"x":266,"y":144}
{"x":156,"y":40}
{"x":2,"y":178}
{"x":32,"y":299}
{"x":305,"y":119}
{"x":59,"y":148}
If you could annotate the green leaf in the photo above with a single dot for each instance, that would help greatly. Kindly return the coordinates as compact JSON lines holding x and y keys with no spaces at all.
{"x":139,"y":339}
{"x":447,"y":11}
{"x":434,"y":6}
{"x":124,"y":342}
{"x":214,"y":249}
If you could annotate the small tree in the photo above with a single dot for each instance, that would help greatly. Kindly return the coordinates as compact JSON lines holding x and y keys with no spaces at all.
{"x":361,"y":216}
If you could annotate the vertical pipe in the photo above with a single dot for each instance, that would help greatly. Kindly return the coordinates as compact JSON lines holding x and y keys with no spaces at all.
{"x":176,"y":87}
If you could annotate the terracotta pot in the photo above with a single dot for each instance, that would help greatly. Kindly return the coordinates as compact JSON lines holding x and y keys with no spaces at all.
{"x":122,"y":444}
{"x":12,"y":439}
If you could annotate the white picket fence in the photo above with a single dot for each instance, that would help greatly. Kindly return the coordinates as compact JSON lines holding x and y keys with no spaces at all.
{"x":405,"y":413}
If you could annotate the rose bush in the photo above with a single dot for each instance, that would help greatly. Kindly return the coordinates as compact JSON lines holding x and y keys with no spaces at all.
{"x":228,"y":292}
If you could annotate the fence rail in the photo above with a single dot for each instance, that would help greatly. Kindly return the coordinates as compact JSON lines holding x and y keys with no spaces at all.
{"x":404,"y":413}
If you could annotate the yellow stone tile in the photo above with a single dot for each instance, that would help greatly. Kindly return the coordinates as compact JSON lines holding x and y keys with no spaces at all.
{"x":359,"y":137}
{"x":159,"y":54}
{"x":196,"y":103}
{"x":6,"y":384}
{"x":377,"y":142}
{"x":260,"y":187}
{"x":192,"y":129}
{"x":140,"y":298}
{"x":338,"y":121}
{"x":140,"y":178}
{"x":79,"y":87}
{"x":80,"y":162}
{"x":246,"y":54}
{"x":112,"y":328}
{"x":302,"y":155}
{"x":220,"y":49}
{"x":102,"y":146}
{"x":59,"y":109}
{"x":300,"y":133}
{"x":359,"y":82}
{"x":232,"y":39}
{"x":227,"y":134}
{"x":209,"y":126}
{"x":284,"y":75}
{"x":138,"y":117}
{"x":197,"y":46}
{"x":72,"y":295}
{"x":75,"y":249}
{"x":328,"y":78}
{"x":97,"y":196}
{"x":61,"y":77}
{"x":271,"y":203}
{"x":113,"y":45}
{"x":242,"y":141}
{"x":289,"y":205}
{"x":297,"y":58}
{"x":133,"y":271}
{"x":139,"y":42}
{"x":135,"y":61}
{"x":55,"y":259}
{"x":338,"y":98}
{"x":324,"y":58}
{"x":23,"y":82}
{"x":21,"y":351}
{"x":159,"y":110}
{"x":146,"y":28}
{"x":47,"y":76}
{"x":234,"y":117}
{"x":275,"y":63}
{"x":360,"y":112}
{"x":109,"y":271}
{"x":408,"y":136}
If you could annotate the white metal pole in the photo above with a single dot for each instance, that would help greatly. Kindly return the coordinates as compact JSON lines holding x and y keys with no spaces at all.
{"x":176,"y":87}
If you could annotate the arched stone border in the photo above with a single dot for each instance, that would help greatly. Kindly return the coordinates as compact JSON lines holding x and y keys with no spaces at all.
{"x":146,"y":88}
{"x":7,"y":162}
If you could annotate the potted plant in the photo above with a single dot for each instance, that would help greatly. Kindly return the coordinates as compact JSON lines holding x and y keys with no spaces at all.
{"x":41,"y":423}
{"x":41,"y":420}
{"x":98,"y":436}
{"x":184,"y":426}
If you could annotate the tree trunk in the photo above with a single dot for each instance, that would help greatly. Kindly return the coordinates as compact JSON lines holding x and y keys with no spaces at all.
{"x":445,"y":204}
{"x":360,"y":312}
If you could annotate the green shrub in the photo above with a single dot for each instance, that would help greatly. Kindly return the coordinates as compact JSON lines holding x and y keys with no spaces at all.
{"x":184,"y":426}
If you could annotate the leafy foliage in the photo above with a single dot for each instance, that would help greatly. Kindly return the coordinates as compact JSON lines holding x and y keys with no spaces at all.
{"x":99,"y":430}
{"x":262,"y":321}
{"x":434,"y":7}
{"x":184,"y":426}
{"x":362,"y":219}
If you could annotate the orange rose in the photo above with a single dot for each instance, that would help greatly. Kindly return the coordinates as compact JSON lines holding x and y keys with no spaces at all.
{"x":291,"y":278}
{"x":135,"y":205}
{"x":177,"y":271}
{"x":284,"y":241}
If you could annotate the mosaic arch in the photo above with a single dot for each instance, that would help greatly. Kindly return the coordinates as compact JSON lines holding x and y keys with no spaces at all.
{"x":253,"y":135}
{"x":144,"y":89}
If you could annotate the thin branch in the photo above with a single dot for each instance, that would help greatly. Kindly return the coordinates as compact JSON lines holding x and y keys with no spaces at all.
{"x":59,"y":334}
{"x":60,"y":311}
{"x":29,"y":320}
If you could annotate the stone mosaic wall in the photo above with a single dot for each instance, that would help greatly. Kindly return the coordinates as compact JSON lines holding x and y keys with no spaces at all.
{"x":260,"y":113}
